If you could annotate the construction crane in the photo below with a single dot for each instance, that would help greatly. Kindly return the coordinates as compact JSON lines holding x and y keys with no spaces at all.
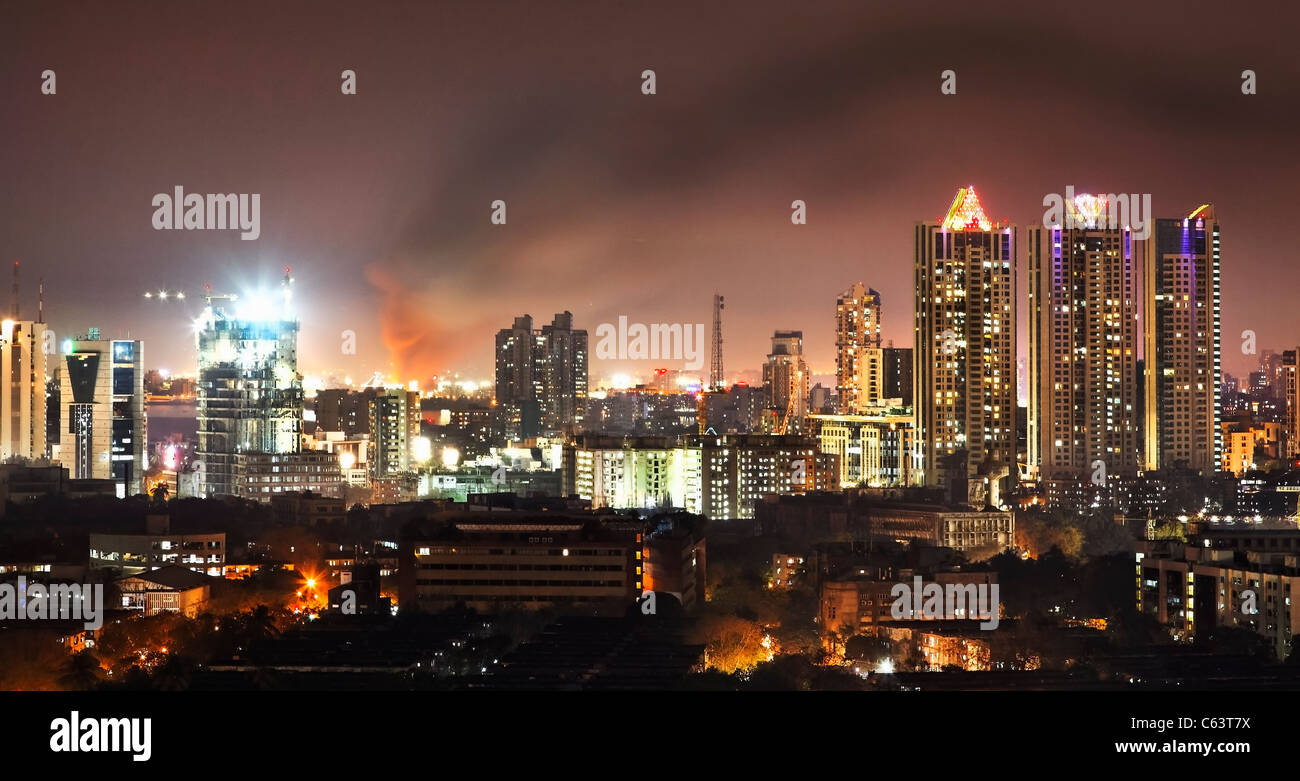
{"x":210,"y":298}
{"x":789,"y":407}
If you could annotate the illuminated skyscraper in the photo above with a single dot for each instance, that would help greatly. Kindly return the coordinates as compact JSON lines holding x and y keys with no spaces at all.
{"x":1182,"y":343}
{"x":250,"y":397}
{"x":786,"y":380}
{"x":965,"y":346}
{"x":859,"y":361}
{"x":394,"y":427}
{"x":1291,"y":418}
{"x":1083,"y":407}
{"x":101,"y":403}
{"x":22,"y":389}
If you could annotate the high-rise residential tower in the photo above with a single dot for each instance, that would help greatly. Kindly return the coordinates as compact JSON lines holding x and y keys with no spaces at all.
{"x":1082,"y":378}
{"x":22,"y":389}
{"x":896,"y":375}
{"x":786,"y":381}
{"x":250,"y":397}
{"x":394,"y":427}
{"x":965,"y":346}
{"x":541,"y":376}
{"x":1182,"y":332}
{"x":1291,"y":413}
{"x":858,"y":358}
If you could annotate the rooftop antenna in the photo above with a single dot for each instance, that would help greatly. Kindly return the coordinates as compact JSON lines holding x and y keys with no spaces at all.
{"x":40,"y":301}
{"x":286,"y":287}
{"x":716,"y":380}
{"x":13,"y":304}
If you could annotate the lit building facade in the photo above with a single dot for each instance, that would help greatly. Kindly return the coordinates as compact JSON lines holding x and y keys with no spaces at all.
{"x":250,"y":396}
{"x":1082,"y":372}
{"x":102,"y":406}
{"x":786,"y":380}
{"x":965,"y":347}
{"x":1183,"y":343}
{"x":718,"y":477}
{"x":22,"y":390}
{"x":1291,"y":420}
{"x":135,"y":553}
{"x":394,"y":427}
{"x":875,"y":449}
{"x":262,"y":476}
{"x":858,"y":359}
{"x":1246,"y":583}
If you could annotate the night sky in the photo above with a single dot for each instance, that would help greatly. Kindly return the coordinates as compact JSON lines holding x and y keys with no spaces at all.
{"x":618,"y":203}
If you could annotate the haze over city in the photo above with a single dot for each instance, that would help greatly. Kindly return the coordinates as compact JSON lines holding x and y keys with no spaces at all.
{"x":618,"y":203}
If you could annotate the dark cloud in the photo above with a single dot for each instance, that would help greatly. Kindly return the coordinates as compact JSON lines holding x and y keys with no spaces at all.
{"x":618,"y":203}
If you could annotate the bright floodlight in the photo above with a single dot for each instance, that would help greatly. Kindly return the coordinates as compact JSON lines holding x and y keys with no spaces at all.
{"x":256,"y":308}
{"x":450,"y":457}
{"x":421,"y":449}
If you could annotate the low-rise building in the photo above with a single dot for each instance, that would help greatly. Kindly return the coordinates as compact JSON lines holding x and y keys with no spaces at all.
{"x":875,"y":449}
{"x":675,"y":556}
{"x":170,"y":589}
{"x":307,"y":509}
{"x":260,"y":476}
{"x":787,"y":571}
{"x":134,"y":553}
{"x":861,"y":601}
{"x":1232,"y":577}
{"x":492,"y":561}
{"x":715,"y":476}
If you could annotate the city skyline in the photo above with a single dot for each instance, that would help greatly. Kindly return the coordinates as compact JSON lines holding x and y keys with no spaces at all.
{"x":384,"y":210}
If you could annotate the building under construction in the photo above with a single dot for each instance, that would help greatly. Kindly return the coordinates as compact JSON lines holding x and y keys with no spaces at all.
{"x":250,"y":396}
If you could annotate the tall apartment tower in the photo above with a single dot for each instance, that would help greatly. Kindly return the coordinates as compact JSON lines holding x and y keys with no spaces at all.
{"x":250,"y":397}
{"x":541,"y":376}
{"x":965,"y":345}
{"x":1082,"y":378}
{"x":515,"y":391}
{"x":22,"y":389}
{"x":102,"y":407}
{"x":786,"y":381}
{"x":1291,"y":388}
{"x":560,"y":364}
{"x":1182,"y":333}
{"x":394,"y":427}
{"x":897,"y":374}
{"x":858,"y":358}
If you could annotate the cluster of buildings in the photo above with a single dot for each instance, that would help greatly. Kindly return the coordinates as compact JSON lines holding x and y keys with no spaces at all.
{"x":79,"y":405}
{"x":946,"y":409}
{"x":938,"y":413}
{"x":1225,"y":575}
